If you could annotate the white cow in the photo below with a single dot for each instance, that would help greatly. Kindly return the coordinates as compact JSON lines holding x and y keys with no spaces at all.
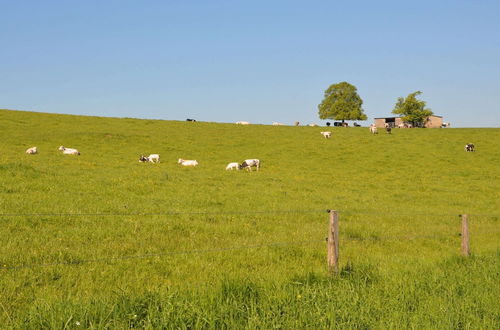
{"x":373,"y":129}
{"x":327,"y":135}
{"x":69,"y":151}
{"x":313,"y":125}
{"x":277,"y":124}
{"x":232,"y":166}
{"x":249,"y":163}
{"x":154,"y":158}
{"x":32,"y":151}
{"x":242,"y":123}
{"x":185,"y":162}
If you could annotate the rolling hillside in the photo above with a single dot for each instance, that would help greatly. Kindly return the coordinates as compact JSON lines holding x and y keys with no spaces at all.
{"x":108,"y":242}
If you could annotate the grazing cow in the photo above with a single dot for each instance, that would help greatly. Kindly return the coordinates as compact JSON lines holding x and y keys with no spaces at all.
{"x":249,"y":163}
{"x":446,"y":124}
{"x":32,"y":151}
{"x":313,"y":125}
{"x":232,"y":166}
{"x":277,"y":124}
{"x":185,"y":162}
{"x":327,"y":135}
{"x":337,"y":123}
{"x":242,"y":123}
{"x":345,"y":125}
{"x":69,"y":151}
{"x":356,"y":125}
{"x":297,"y":123}
{"x":189,"y":119}
{"x":402,"y":125}
{"x":469,"y":147}
{"x":154,"y":158}
{"x":373,"y":129}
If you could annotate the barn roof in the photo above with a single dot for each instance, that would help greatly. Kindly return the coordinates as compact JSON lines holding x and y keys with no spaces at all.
{"x":400,"y":117}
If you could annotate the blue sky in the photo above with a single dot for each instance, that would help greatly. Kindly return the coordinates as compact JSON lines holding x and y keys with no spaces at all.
{"x":259,"y":61}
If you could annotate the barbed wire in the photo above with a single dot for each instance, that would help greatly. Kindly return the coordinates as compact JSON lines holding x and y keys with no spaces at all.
{"x":247,"y":247}
{"x":160,"y":254}
{"x":415,"y":237}
{"x":416,"y":214}
{"x":390,"y":238}
{"x":156,"y":213}
{"x":167,"y":213}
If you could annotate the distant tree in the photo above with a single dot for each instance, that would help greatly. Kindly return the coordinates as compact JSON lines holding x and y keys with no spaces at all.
{"x":341,"y":102}
{"x":412,"y":110}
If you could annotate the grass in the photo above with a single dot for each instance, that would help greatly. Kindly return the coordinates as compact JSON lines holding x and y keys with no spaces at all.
{"x":399,"y":196}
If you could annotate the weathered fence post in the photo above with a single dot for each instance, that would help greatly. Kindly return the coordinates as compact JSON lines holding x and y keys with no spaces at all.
{"x":465,"y":236}
{"x":333,"y":242}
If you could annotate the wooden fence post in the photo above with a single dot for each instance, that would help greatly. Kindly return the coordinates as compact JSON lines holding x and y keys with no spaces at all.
{"x":333,"y":242}
{"x":465,"y":236}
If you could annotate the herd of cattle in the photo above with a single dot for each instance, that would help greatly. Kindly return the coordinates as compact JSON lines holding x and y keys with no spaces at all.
{"x":66,"y":151}
{"x":336,"y":124}
{"x":155,"y":158}
{"x":297,"y":123}
{"x":246,"y":164}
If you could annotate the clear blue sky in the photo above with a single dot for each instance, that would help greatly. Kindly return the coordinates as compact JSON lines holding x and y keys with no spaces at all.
{"x":259,"y":61}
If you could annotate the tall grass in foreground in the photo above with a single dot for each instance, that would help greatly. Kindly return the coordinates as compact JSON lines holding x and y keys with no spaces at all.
{"x":454,"y":294}
{"x":399,"y":197}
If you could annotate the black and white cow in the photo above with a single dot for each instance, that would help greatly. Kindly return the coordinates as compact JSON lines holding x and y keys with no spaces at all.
{"x":249,"y":163}
{"x":153,"y":158}
{"x":189,"y":119}
{"x":469,"y":147}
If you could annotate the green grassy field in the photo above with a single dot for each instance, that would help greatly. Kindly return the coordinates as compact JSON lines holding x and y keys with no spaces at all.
{"x":102,"y":241}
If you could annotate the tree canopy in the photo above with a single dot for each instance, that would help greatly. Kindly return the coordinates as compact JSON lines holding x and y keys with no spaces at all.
{"x":341,"y":102}
{"x":412,"y":110}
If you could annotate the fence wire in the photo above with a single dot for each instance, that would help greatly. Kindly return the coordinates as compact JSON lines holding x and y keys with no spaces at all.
{"x":246,"y":247}
{"x":415,"y":237}
{"x":316,"y":211}
{"x":156,"y":213}
{"x":415,"y":214}
{"x":161,"y":254}
{"x":257,"y":246}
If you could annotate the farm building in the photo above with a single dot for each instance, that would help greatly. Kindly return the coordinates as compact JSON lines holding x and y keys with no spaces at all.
{"x":432,"y":121}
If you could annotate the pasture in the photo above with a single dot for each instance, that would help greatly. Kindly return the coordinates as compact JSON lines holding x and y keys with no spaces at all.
{"x":101,"y":240}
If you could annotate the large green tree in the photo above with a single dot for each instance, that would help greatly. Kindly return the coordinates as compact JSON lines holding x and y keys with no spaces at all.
{"x":412,"y":110}
{"x":341,"y":102}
